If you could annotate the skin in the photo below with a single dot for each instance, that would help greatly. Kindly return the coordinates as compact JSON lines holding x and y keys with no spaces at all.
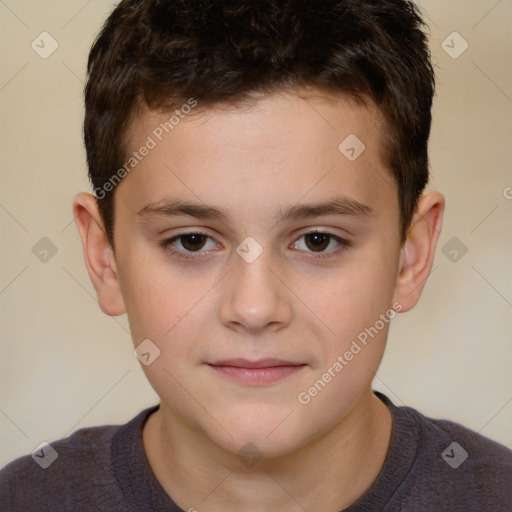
{"x":255,"y":161}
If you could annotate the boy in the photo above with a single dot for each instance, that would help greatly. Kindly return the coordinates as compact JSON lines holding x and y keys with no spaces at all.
{"x":259,"y":214}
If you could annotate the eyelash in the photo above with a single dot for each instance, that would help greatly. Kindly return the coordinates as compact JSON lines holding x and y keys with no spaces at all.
{"x":166,"y":245}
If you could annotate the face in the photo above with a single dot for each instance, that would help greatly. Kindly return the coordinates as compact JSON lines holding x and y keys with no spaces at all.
{"x":253,"y":253}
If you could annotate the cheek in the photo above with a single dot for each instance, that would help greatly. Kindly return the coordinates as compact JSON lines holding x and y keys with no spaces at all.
{"x":164,"y":307}
{"x":357,"y":297}
{"x":158,"y":296}
{"x":358,"y":308}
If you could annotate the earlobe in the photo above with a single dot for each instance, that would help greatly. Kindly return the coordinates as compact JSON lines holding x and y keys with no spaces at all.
{"x":98,"y":254}
{"x":417,"y":253}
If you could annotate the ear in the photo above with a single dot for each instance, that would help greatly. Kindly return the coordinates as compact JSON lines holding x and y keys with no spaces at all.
{"x":98,"y":254}
{"x":417,"y":253}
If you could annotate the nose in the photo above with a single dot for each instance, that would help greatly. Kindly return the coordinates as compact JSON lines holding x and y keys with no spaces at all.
{"x":255,"y":296}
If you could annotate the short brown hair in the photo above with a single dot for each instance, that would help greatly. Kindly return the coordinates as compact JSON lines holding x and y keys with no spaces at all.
{"x":163,"y":52}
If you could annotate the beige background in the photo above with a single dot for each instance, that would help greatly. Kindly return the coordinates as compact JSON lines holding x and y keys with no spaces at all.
{"x":65,"y":365}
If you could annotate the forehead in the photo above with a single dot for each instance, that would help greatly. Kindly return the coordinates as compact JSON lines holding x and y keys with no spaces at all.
{"x":279,"y":149}
{"x":290,"y":115}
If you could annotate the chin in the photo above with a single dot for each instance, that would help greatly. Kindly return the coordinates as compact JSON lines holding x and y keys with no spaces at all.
{"x":268,"y":434}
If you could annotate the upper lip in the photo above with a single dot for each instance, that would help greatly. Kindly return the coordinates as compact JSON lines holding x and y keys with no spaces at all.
{"x":260,"y":363}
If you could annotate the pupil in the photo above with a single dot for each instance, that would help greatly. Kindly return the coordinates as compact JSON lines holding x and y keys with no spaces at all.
{"x":320,"y":241}
{"x":195,"y":239}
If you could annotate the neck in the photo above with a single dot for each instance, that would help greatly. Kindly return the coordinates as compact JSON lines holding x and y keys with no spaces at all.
{"x":327,"y":474}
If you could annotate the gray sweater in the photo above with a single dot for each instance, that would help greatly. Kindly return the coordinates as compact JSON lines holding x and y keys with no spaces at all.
{"x":432,"y":465}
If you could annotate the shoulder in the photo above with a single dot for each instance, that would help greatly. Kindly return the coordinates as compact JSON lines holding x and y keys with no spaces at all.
{"x":465,"y":447}
{"x":33,"y":482}
{"x":457,"y":468}
{"x":489,"y":462}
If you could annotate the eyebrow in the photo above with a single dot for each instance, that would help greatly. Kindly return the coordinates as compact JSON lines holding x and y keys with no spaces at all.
{"x":340,"y":206}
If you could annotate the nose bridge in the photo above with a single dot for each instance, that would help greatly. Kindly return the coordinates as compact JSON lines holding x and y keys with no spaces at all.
{"x":256,"y":296}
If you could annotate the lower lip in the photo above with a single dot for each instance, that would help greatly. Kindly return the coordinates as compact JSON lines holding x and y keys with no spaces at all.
{"x":257,"y":376}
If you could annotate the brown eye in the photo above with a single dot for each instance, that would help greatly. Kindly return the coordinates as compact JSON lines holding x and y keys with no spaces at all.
{"x":317,"y":241}
{"x":188,"y":245}
{"x":321,"y":245}
{"x":193,"y":241}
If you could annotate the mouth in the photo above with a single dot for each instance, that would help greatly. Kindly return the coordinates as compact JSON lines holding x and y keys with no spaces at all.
{"x":256,"y":373}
